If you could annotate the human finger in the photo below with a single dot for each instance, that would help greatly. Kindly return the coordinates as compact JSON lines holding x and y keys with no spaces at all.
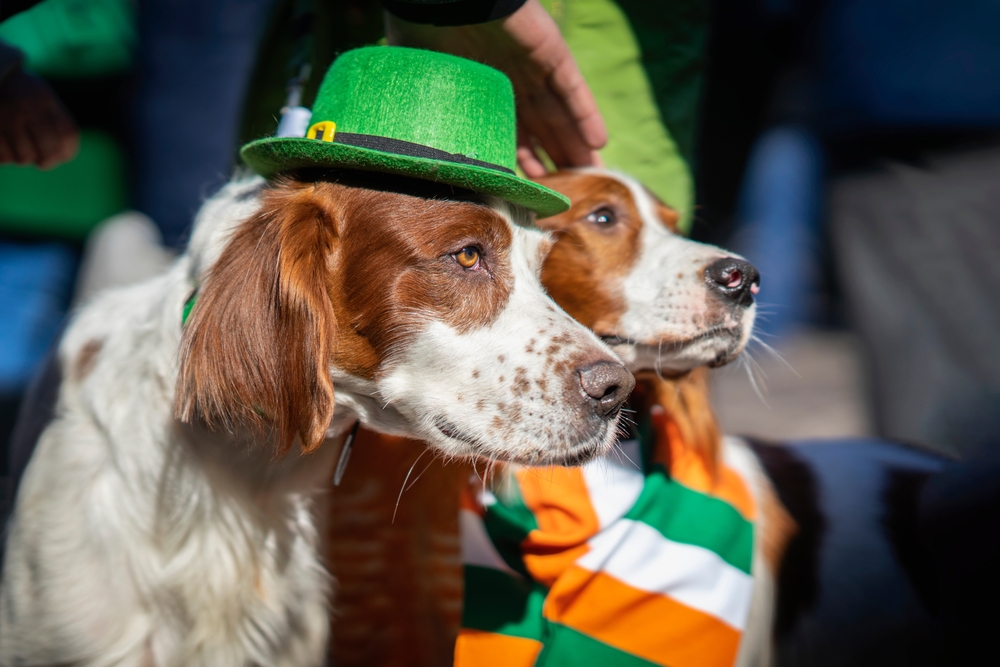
{"x":55,"y":132}
{"x":536,"y":111}
{"x":568,"y":84}
{"x":46,"y":140}
{"x":22,"y":144}
{"x":6,"y":154}
{"x":68,"y":136}
{"x":549,"y":66}
{"x":557,"y":133}
{"x":527,"y":158}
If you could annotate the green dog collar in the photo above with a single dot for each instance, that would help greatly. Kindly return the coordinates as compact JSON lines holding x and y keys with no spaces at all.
{"x":188,"y":306}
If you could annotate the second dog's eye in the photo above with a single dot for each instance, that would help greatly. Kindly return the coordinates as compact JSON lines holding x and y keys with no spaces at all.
{"x":468,"y":257}
{"x":603,"y":217}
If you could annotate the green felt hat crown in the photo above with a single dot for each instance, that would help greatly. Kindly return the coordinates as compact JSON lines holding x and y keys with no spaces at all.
{"x":416,"y":113}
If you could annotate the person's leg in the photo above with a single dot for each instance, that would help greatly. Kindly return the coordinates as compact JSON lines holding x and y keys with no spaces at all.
{"x":959,"y":520}
{"x":195,"y":57}
{"x":855,"y":586}
{"x":916,"y":251}
{"x":778,"y":225}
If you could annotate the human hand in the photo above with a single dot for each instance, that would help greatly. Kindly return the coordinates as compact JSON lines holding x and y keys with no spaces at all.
{"x":35,"y":128}
{"x":555,"y":108}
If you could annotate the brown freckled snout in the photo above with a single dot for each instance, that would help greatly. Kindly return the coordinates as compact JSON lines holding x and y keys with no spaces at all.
{"x":736,"y":279}
{"x":607,"y":384}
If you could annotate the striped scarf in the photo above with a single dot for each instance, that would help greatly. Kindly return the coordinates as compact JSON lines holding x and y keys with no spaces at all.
{"x":639,"y":558}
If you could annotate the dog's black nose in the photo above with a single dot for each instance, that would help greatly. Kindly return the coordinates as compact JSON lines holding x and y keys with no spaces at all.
{"x":608,"y":384}
{"x":737,"y":279}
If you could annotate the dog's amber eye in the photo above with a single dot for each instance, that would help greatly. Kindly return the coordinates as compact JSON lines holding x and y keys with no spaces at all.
{"x":467,"y":257}
{"x":603,"y":217}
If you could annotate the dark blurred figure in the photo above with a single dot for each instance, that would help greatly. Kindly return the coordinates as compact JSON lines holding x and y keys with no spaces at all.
{"x":195,"y":59}
{"x":912,"y":98}
{"x":888,"y":111}
{"x":65,"y":70}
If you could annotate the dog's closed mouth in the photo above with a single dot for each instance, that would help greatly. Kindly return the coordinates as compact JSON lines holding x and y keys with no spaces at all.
{"x":451,"y":431}
{"x":618,"y":340}
{"x":671,"y":344}
{"x":580,"y":456}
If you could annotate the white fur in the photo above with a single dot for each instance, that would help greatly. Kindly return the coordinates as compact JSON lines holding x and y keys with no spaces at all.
{"x":756,"y":647}
{"x":668,"y":300}
{"x":140,"y":541}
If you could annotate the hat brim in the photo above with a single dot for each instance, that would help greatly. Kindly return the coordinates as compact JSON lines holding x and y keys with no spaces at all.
{"x":273,"y":155}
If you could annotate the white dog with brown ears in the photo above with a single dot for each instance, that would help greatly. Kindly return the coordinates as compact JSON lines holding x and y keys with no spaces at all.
{"x":141,"y":538}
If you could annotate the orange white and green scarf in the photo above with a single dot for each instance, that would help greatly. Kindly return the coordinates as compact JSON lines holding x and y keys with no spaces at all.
{"x":627,"y":561}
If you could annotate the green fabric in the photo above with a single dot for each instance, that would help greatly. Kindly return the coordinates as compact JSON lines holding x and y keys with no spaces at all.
{"x":675,"y":511}
{"x":74,"y":38}
{"x":500,"y":602}
{"x":643,"y":61}
{"x":646,"y":88}
{"x":514,"y":605}
{"x":690,"y":517}
{"x":461,"y":106}
{"x":426,"y":98}
{"x":672,"y":36}
{"x":566,"y":646}
{"x":69,"y":200}
{"x":508,"y":523}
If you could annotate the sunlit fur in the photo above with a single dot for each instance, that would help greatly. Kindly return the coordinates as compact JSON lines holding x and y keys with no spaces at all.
{"x":144,"y":539}
{"x":643,"y":286}
{"x":672,"y":327}
{"x":395,"y":542}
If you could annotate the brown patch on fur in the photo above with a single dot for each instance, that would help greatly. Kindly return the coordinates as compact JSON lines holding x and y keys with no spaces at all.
{"x":87,"y":359}
{"x":399,"y":582}
{"x":284,"y":302}
{"x":255,"y":352}
{"x":776,"y":527}
{"x":687,"y":403}
{"x":583,"y":269}
{"x":399,"y":597}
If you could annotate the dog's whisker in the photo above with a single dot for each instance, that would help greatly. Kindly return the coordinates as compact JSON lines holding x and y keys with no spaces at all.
{"x":417,"y":478}
{"x":752,"y":360}
{"x":753,"y":379}
{"x":404,"y":487}
{"x":774,"y":353}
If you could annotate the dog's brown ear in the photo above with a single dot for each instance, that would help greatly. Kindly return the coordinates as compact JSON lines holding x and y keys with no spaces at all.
{"x":256,"y":349}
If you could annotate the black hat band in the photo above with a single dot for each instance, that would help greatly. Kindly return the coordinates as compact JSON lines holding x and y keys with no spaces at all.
{"x":408,"y":148}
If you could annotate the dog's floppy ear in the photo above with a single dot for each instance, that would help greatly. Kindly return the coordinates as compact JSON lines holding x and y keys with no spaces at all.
{"x":255,"y":352}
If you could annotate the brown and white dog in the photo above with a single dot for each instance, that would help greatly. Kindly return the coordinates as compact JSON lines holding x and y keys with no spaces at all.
{"x":669,"y":306}
{"x":854,"y":562}
{"x":167,"y":516}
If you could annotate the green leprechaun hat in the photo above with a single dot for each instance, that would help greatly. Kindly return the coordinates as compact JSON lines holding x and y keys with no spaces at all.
{"x":416,"y":113}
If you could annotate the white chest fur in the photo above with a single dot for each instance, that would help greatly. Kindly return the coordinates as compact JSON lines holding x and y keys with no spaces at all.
{"x":139,"y":541}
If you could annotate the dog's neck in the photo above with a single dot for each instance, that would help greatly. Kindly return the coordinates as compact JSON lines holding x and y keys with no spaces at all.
{"x":358,"y":399}
{"x":687,"y":410}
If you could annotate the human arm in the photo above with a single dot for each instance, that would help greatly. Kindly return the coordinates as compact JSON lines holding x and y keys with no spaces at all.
{"x":555,"y":107}
{"x":35,"y":128}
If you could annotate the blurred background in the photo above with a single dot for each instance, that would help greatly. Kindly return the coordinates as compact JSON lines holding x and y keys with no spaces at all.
{"x":849,"y":148}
